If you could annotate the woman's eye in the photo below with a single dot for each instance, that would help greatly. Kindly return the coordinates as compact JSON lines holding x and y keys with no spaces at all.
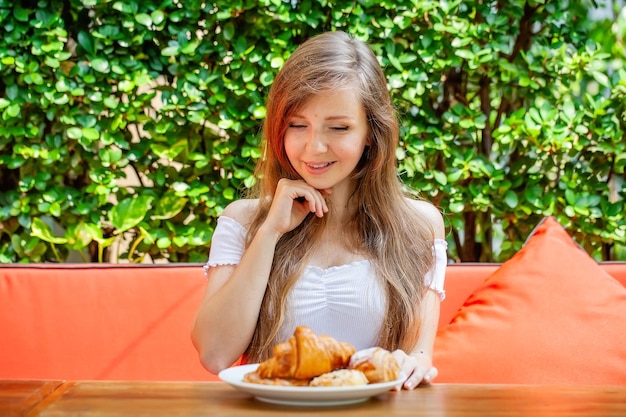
{"x":340,"y":128}
{"x":296,"y":125}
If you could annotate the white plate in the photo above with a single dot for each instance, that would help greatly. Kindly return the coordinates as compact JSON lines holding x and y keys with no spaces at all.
{"x":303,"y":396}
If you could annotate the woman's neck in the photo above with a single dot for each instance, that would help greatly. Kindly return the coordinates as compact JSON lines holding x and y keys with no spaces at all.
{"x":333,"y":248}
{"x":340,"y":206}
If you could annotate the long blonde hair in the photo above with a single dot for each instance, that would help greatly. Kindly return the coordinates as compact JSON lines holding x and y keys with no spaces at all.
{"x":383,"y":224}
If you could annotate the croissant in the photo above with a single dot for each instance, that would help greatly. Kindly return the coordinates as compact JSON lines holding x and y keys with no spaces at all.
{"x":254,"y":378}
{"x":306,"y":355}
{"x":378,"y":364}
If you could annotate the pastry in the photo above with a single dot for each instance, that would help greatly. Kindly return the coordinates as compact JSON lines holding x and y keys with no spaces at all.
{"x":340,"y":378}
{"x":378,"y":364}
{"x":254,"y":378}
{"x":306,"y":355}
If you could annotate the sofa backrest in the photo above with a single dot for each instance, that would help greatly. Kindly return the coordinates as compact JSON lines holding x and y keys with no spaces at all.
{"x":131,"y":322}
{"x":90,"y":321}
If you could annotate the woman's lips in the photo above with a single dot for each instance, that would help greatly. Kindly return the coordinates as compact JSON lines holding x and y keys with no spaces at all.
{"x":318,"y":167}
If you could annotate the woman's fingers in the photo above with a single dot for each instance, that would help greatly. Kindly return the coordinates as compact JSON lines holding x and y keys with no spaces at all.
{"x":311,"y":199}
{"x":420,"y":376}
{"x":418,"y":370}
{"x":293,"y":200}
{"x":318,"y":204}
{"x":430,"y":375}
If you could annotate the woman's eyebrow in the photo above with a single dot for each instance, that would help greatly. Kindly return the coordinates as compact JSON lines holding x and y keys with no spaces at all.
{"x":340,"y":117}
{"x":329,"y":118}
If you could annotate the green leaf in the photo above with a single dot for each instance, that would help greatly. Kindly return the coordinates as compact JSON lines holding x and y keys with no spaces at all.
{"x":569,"y":110}
{"x":533,"y":195}
{"x":601,"y":78}
{"x":277,"y":62}
{"x":13,"y":110}
{"x":144,"y":19}
{"x":229,"y":31}
{"x":163,"y":242}
{"x":171,"y":50}
{"x":91,"y":133}
{"x":620,"y":163}
{"x":168,"y":206}
{"x":74,"y":133}
{"x":101,"y":65}
{"x":456,"y":207}
{"x":21,"y":14}
{"x":440,"y":177}
{"x":80,"y":235}
{"x":86,"y":42}
{"x":170,"y":152}
{"x":129,"y":212}
{"x":157,"y":17}
{"x":511,"y":200}
{"x":122,"y":7}
{"x":465,"y":54}
{"x":229,"y":194}
{"x":248,"y":74}
{"x":41,"y":230}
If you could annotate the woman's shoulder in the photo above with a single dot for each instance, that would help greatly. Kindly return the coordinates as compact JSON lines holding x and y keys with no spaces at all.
{"x":431,"y":214}
{"x":242,"y":211}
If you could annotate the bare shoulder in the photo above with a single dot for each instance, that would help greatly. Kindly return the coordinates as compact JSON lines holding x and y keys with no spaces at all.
{"x":242,"y":211}
{"x":432,"y":214}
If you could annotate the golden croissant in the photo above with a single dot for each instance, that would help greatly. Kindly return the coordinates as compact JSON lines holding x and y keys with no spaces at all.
{"x":378,"y":364}
{"x":306,"y":355}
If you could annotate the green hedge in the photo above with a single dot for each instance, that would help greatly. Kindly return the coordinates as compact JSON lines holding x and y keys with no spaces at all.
{"x":141,"y":119}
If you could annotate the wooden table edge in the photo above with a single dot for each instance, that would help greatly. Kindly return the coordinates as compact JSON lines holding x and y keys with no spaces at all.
{"x":55,"y":393}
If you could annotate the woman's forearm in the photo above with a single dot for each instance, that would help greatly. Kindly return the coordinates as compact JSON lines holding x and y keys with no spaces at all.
{"x":430,"y":322}
{"x":227,"y":317}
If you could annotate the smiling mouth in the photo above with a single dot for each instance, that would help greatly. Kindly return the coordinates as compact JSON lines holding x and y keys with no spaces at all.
{"x":320,"y":166}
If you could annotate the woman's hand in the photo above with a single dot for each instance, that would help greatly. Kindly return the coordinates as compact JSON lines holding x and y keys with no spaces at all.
{"x":418,"y":368}
{"x":293,"y":201}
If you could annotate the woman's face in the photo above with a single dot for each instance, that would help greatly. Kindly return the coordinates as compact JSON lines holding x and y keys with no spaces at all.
{"x":326,"y":138}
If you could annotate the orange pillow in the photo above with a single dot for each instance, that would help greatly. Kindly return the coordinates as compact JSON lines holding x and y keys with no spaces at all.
{"x":549,"y":315}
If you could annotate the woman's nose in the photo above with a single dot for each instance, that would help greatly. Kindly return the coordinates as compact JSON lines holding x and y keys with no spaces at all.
{"x":316,"y":143}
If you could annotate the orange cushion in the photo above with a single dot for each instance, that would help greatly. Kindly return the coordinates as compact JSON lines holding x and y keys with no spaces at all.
{"x":461,"y":280}
{"x":549,"y":315}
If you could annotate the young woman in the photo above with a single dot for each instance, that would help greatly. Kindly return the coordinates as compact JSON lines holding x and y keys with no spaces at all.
{"x":332,"y":240}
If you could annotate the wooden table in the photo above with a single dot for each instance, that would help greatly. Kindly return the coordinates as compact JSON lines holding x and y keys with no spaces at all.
{"x":154,"y":399}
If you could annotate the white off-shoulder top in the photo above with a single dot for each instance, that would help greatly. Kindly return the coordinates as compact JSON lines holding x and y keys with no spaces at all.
{"x":346,"y":301}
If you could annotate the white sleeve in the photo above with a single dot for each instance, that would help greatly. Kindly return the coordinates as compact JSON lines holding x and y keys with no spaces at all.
{"x":227,"y":243}
{"x":436,"y":276}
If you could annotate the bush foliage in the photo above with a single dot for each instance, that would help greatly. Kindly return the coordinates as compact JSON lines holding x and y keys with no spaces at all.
{"x":141,"y":119}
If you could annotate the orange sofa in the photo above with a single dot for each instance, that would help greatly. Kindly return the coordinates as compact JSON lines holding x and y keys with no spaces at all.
{"x":131,"y":322}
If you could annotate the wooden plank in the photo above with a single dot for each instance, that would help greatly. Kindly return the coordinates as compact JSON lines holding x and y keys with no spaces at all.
{"x":18,"y":397}
{"x":155,"y":399}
